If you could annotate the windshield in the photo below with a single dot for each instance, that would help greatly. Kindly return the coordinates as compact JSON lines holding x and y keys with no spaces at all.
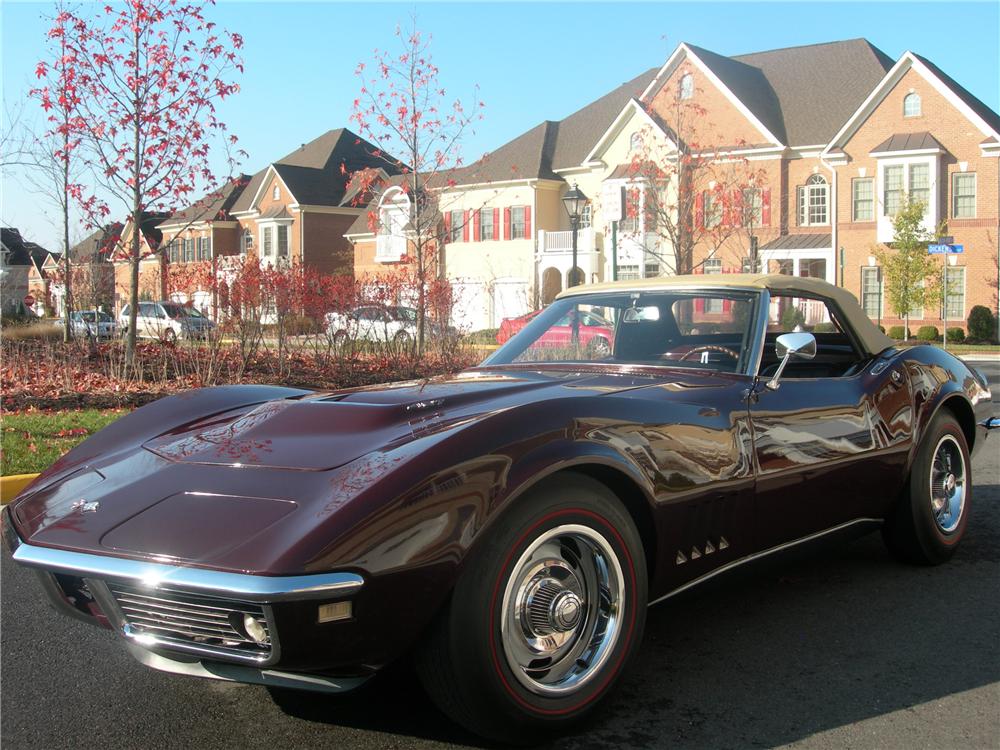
{"x":90,"y":317}
{"x":699,"y":329}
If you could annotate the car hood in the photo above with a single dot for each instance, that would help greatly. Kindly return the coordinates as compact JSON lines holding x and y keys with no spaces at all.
{"x":194,"y":492}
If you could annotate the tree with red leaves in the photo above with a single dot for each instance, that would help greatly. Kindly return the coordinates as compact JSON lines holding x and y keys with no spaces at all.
{"x":691,"y":189}
{"x":147,"y":77}
{"x":53,"y":167}
{"x":403,"y":109}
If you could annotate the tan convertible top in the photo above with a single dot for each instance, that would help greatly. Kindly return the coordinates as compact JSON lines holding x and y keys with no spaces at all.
{"x":873,"y":340}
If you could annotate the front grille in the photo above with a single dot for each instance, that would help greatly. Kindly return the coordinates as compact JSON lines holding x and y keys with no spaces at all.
{"x":212,"y":624}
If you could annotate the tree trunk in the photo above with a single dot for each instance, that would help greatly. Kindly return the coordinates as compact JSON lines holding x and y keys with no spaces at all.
{"x":67,"y":287}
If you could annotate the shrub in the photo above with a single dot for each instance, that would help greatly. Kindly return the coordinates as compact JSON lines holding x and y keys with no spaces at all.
{"x":484,"y":336}
{"x":792,"y":317}
{"x":301,"y":325}
{"x":981,"y":325}
{"x":824,"y":328}
{"x":927,"y":333}
{"x":33,"y":331}
{"x":899,"y":333}
{"x":955,"y":335}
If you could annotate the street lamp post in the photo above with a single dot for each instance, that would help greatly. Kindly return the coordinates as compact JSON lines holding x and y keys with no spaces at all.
{"x":574,"y":201}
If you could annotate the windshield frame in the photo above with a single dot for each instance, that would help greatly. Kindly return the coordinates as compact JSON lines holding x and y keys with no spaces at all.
{"x":548,"y":317}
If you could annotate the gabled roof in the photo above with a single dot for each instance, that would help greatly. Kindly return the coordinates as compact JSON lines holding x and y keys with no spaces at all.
{"x":922,"y":141}
{"x":818,"y":86}
{"x":985,"y":119}
{"x":23,"y":252}
{"x":212,"y":207}
{"x":317,"y":173}
{"x":96,"y":245}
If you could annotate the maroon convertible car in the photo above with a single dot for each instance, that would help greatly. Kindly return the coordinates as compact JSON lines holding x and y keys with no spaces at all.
{"x":507,"y":526}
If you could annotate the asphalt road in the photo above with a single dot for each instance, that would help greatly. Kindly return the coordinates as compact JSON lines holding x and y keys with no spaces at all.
{"x":842,"y":647}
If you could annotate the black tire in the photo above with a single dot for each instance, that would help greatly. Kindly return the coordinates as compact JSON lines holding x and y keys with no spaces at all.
{"x":467,"y":664}
{"x":599,"y":347}
{"x":169,"y":336}
{"x":929,"y":520}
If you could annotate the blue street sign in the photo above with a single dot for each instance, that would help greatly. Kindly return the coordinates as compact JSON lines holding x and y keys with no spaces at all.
{"x":945,"y":249}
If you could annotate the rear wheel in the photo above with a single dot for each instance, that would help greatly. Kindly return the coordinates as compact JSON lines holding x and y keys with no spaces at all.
{"x":930,"y":519}
{"x":169,"y":336}
{"x":599,"y":347}
{"x":545,"y":617}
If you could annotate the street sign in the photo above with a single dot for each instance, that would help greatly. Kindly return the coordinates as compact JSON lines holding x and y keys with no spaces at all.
{"x":945,"y":249}
{"x":29,"y":300}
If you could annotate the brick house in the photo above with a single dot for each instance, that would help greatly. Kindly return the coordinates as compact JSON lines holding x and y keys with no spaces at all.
{"x":25,"y":267}
{"x":827,"y":129}
{"x":299,"y":207}
{"x":152,"y":264}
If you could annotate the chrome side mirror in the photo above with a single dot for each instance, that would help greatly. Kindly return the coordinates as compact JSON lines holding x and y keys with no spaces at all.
{"x":788,"y":345}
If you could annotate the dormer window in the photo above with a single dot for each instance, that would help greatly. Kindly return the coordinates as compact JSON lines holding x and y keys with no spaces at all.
{"x":635,"y":143}
{"x":686,"y":86}
{"x":911,"y":105}
{"x":813,"y":202}
{"x":276,"y":193}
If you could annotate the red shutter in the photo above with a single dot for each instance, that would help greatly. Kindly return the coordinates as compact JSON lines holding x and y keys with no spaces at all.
{"x":475,"y":227}
{"x":447,"y":227}
{"x":496,"y":223}
{"x":506,"y":223}
{"x":527,"y":221}
{"x":727,"y":207}
{"x":699,"y":211}
{"x":465,"y":227}
{"x":765,"y":207}
{"x":738,"y":217}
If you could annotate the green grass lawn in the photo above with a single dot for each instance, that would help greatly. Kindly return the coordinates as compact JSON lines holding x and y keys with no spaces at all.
{"x":31,"y":441}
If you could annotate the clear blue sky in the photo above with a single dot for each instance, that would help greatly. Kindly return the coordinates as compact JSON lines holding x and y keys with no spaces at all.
{"x":533,"y":61}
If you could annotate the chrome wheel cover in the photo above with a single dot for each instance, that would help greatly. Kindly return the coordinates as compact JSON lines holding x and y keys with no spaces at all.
{"x":562,"y":609}
{"x":948,"y":484}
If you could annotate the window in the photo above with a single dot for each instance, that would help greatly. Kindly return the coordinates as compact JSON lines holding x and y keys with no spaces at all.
{"x":247,"y":241}
{"x":752,"y":207}
{"x":635,"y":142}
{"x":204,"y":248}
{"x":713,"y":304}
{"x":457,"y":225}
{"x":267,"y":242}
{"x":863,"y":199}
{"x":686,"y":86}
{"x":486,"y":229}
{"x":713,"y":209}
{"x":628,"y":273}
{"x":188,"y":250}
{"x":276,"y":193}
{"x":892,"y":191}
{"x":631,"y":210}
{"x":871,"y":291}
{"x":174,"y":251}
{"x":963,"y":195}
{"x":920,"y":183}
{"x":955,"y":301}
{"x":282,"y":241}
{"x":517,"y":226}
{"x":812,"y":201}
{"x":911,"y":105}
{"x":585,"y":217}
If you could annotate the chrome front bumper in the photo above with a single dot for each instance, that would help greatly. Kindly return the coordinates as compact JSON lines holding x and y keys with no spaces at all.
{"x":100,"y":575}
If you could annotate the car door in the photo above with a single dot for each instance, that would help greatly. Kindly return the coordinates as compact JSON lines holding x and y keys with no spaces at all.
{"x":831,"y":440}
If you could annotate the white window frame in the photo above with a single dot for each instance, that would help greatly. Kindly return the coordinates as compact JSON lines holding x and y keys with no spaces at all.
{"x":711,"y":209}
{"x":685,"y":87}
{"x":711,"y":267}
{"x":483,"y":213}
{"x":276,"y":193}
{"x":456,"y":228}
{"x":879,"y":291}
{"x":884,"y":229}
{"x":955,"y":176}
{"x":394,"y":213}
{"x":953,"y":271}
{"x":870,"y":200}
{"x":815,"y":193}
{"x":248,"y":241}
{"x":522,"y":234}
{"x":913,"y":96}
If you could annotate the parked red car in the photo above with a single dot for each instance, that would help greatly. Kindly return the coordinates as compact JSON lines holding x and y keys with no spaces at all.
{"x":595,"y":332}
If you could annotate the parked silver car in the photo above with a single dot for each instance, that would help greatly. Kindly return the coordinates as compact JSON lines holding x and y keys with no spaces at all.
{"x":92,"y":323}
{"x":167,"y":321}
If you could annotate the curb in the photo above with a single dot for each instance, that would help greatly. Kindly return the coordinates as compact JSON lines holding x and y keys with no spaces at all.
{"x":11,"y":485}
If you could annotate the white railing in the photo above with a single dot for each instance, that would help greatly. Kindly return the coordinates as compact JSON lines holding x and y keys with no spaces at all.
{"x":563,"y":241}
{"x":389,"y":247}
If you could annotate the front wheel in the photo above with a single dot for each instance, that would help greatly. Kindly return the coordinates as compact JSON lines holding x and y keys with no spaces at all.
{"x":544,"y":618}
{"x":930,"y":518}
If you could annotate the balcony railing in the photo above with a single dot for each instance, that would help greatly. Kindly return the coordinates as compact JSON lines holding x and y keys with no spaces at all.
{"x":561,"y":242}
